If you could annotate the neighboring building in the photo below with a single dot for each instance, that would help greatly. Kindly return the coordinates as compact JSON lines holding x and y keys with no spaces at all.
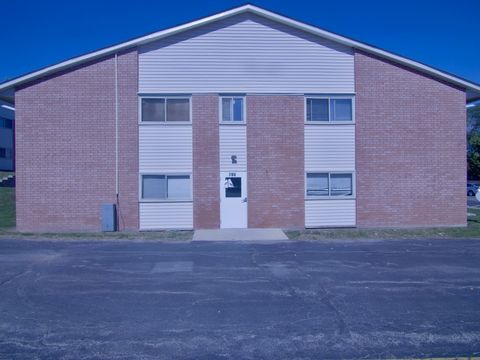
{"x":7,"y":136}
{"x":241,"y":119}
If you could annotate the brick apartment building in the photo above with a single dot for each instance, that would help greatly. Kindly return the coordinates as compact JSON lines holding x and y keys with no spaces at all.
{"x":242,"y":119}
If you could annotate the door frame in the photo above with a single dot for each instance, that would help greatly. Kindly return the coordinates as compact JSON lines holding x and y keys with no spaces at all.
{"x":243,"y":198}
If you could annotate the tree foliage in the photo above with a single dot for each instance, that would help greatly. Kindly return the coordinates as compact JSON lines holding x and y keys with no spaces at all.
{"x":473,"y":142}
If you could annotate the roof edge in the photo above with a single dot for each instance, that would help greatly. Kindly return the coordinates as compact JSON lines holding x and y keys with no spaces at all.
{"x":367,"y":48}
{"x":93,"y":55}
{"x":468,"y":85}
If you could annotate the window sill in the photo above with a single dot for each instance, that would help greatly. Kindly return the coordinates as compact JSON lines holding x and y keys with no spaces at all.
{"x":329,"y":122}
{"x":145,"y":201}
{"x":164,"y":123}
{"x":232,"y":123}
{"x":315,"y":198}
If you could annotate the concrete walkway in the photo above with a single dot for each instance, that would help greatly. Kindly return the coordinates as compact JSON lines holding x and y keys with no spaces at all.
{"x":239,"y":234}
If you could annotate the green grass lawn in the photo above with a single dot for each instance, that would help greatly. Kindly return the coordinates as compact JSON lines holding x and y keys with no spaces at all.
{"x":7,"y":208}
{"x":7,"y":230}
{"x":7,"y":227}
{"x":471,"y":231}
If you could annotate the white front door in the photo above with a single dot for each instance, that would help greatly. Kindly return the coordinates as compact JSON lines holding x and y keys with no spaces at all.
{"x":233,"y":199}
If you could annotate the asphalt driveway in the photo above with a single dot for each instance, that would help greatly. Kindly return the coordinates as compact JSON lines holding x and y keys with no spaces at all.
{"x":288,"y":300}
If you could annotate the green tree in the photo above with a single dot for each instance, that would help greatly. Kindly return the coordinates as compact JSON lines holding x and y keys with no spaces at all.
{"x":473,"y":142}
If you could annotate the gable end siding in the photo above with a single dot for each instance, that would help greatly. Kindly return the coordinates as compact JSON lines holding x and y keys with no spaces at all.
{"x":245,"y":53}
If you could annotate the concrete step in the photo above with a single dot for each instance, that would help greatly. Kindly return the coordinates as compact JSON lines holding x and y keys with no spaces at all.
{"x":239,"y":235}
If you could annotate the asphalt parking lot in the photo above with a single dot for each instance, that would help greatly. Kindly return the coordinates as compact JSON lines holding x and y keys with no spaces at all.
{"x":233,"y":300}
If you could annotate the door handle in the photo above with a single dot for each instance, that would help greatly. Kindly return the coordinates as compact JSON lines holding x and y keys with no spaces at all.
{"x":244,"y":200}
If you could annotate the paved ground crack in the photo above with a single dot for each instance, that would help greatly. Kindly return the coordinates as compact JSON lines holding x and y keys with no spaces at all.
{"x":11,"y":278}
{"x":326,"y":300}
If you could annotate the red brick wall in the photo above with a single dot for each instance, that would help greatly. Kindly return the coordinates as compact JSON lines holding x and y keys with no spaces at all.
{"x":410,"y":147}
{"x":275,"y":161}
{"x":206,"y":162}
{"x":66,"y":147}
{"x":128,"y":140}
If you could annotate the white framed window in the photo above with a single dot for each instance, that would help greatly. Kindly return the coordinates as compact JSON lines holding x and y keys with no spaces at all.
{"x":159,"y":109}
{"x":317,"y":184}
{"x":329,"y":184}
{"x":6,"y":123}
{"x":165,"y":187}
{"x":329,"y":109}
{"x":232,"y":109}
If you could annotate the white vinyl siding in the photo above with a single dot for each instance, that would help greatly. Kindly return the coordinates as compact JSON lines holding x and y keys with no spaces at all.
{"x":245,"y":53}
{"x":329,"y":148}
{"x":233,"y":141}
{"x":165,"y":148}
{"x":164,"y":215}
{"x":327,"y":213}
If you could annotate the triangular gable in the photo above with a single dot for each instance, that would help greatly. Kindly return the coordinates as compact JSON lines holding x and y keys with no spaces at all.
{"x":246,"y":53}
{"x":473,"y":89}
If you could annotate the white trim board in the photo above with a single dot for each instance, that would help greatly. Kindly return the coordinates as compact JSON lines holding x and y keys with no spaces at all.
{"x":472,"y":88}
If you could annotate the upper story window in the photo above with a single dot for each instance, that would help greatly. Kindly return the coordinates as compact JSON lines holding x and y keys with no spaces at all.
{"x":165,"y":109}
{"x":329,"y":109}
{"x":6,"y":123}
{"x":232,"y":109}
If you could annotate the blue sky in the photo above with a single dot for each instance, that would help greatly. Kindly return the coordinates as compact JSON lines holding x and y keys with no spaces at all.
{"x":441,"y":33}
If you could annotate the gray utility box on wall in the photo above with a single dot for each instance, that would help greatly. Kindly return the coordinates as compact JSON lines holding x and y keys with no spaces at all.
{"x":109,"y":217}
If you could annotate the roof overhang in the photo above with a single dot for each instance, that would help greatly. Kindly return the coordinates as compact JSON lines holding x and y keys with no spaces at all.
{"x":472,"y":89}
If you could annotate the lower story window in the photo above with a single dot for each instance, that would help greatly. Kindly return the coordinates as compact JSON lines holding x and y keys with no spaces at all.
{"x":329,"y":184}
{"x":6,"y":153}
{"x":166,"y":187}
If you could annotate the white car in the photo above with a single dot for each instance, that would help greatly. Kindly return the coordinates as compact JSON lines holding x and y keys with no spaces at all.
{"x":472,"y":189}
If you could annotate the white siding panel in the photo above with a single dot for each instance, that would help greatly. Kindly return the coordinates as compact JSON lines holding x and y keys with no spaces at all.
{"x":159,"y":216}
{"x":329,"y":147}
{"x":245,"y":53}
{"x":324,"y":213}
{"x":233,"y":141}
{"x":165,"y":148}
